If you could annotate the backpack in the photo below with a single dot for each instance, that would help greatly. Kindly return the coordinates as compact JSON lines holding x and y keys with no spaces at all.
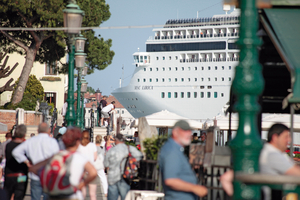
{"x":54,"y":177}
{"x":130,"y":169}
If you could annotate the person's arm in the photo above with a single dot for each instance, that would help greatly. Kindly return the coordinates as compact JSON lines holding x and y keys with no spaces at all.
{"x":295,"y":170}
{"x":136,"y":153}
{"x":91,"y":175}
{"x":35,"y":168}
{"x":226,"y":181}
{"x":180,"y":185}
{"x":19,"y":153}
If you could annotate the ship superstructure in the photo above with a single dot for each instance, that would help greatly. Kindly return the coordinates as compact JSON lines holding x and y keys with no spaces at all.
{"x":187,"y":68}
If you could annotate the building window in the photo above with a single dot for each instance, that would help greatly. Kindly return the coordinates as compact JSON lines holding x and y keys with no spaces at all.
{"x":118,"y":111}
{"x":182,"y":94}
{"x":195,"y":79}
{"x":169,"y":94}
{"x":222,"y":78}
{"x":208,"y":94}
{"x":156,"y":69}
{"x":208,"y":68}
{"x":182,"y":79}
{"x":51,"y":68}
{"x":189,"y":79}
{"x":229,"y":67}
{"x":157,"y":58}
{"x":201,"y":87}
{"x":176,"y":68}
{"x":208,"y":79}
{"x":229,"y":78}
{"x":169,"y":57}
{"x":150,"y":69}
{"x":195,"y":94}
{"x":164,"y":58}
{"x":176,"y":57}
{"x":216,"y":79}
{"x":122,"y":111}
{"x":189,"y":68}
{"x":196,"y":68}
{"x":175,"y":95}
{"x":162,"y":95}
{"x":163,"y":69}
{"x":223,"y":67}
{"x":175,"y":79}
{"x":209,"y":87}
{"x":144,"y":80}
{"x":169,"y":79}
{"x":50,"y":97}
{"x":202,"y":94}
{"x":216,"y":94}
{"x":169,"y":68}
{"x":163,"y":80}
{"x":138,"y":80}
{"x":150,"y":79}
{"x":156,"y":80}
{"x":222,"y":94}
{"x":202,"y":68}
{"x":202,"y":79}
{"x":216,"y":68}
{"x":188,"y":95}
{"x":144,"y":69}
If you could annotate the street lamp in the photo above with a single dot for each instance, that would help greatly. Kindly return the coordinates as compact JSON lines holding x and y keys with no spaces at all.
{"x":83,"y":90}
{"x":98,"y":97}
{"x":84,"y":71}
{"x":72,"y":21}
{"x":80,"y":64}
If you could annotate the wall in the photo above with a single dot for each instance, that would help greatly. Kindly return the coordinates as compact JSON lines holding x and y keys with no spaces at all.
{"x":8,"y":117}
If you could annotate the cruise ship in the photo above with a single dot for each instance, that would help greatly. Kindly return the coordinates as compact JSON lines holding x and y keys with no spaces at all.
{"x":187,"y":68}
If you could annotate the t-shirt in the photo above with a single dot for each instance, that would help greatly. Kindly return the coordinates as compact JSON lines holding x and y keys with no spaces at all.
{"x":103,"y":102}
{"x":88,"y":151}
{"x":174,"y":164}
{"x":12,"y":166}
{"x":273,"y":161}
{"x":108,"y":108}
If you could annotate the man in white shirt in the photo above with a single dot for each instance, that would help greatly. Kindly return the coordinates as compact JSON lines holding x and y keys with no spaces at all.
{"x":106,"y":111}
{"x":33,"y":151}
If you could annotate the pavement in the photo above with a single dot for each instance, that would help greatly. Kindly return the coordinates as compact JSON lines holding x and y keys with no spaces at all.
{"x":100,"y":195}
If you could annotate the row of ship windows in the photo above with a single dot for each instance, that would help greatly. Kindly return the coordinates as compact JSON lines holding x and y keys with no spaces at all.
{"x":182,"y":79}
{"x":188,"y":95}
{"x":188,"y":68}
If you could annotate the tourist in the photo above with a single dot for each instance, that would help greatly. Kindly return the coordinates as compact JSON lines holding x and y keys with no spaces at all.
{"x":15,"y":173}
{"x":102,"y":104}
{"x":109,"y":143}
{"x":33,"y":151}
{"x":105,"y":112}
{"x":100,"y":165}
{"x":8,"y":137}
{"x":89,"y":151}
{"x":115,"y":162}
{"x":173,"y":162}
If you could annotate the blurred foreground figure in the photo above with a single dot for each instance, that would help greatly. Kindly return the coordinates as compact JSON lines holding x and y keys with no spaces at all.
{"x":179,"y":180}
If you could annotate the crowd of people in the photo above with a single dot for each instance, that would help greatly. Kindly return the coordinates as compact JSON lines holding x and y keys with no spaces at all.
{"x":63,"y":167}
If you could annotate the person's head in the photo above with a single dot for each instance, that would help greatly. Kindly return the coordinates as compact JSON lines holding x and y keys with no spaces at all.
{"x":85,"y":137}
{"x":136,"y":134}
{"x":20,"y":131}
{"x":119,"y":138}
{"x":105,"y":138}
{"x":195,"y":136}
{"x":58,"y":136}
{"x":98,"y":139}
{"x":32,"y":134}
{"x":279,"y":136}
{"x":63,"y":124}
{"x":104,"y":97}
{"x":43,"y":128}
{"x":203,"y":136}
{"x":72,"y":137}
{"x":8,"y":135}
{"x":113,"y":102}
{"x":182,"y":133}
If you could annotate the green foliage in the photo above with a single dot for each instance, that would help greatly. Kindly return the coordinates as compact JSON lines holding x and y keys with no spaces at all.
{"x":34,"y":91}
{"x":37,"y":13}
{"x":153,"y":145}
{"x":131,"y":143}
{"x":90,"y":90}
{"x":297,"y":155}
{"x":51,"y":109}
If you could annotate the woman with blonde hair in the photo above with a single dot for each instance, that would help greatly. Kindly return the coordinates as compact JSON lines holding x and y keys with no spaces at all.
{"x":89,"y":151}
{"x":100,"y":165}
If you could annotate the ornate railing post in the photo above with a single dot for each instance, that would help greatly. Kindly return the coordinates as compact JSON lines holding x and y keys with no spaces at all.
{"x":248,"y":84}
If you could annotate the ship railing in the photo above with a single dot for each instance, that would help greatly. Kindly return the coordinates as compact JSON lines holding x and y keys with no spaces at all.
{"x":233,"y":59}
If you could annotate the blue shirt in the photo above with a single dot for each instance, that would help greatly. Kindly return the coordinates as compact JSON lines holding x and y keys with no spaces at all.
{"x":174,"y":164}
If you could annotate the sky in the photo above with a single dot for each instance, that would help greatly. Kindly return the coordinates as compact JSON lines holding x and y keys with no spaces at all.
{"x":125,"y":42}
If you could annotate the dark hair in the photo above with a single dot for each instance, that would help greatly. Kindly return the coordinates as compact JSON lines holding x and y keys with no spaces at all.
{"x":71,"y":136}
{"x":8,"y":135}
{"x":20,"y":131}
{"x":112,"y":102}
{"x":276,"y":129}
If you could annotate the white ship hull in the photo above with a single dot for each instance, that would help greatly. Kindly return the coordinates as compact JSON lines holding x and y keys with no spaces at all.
{"x":191,"y":83}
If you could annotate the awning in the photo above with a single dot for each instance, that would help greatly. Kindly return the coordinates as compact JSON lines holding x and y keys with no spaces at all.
{"x":283,"y":28}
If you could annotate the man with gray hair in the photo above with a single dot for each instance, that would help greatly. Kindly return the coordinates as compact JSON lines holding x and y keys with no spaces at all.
{"x":33,"y":151}
{"x":115,"y":162}
{"x":15,"y":173}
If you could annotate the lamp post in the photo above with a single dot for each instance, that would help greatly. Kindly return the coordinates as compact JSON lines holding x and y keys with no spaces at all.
{"x":80,"y":64}
{"x":83,"y":90}
{"x":72,"y":20}
{"x":92,"y":121}
{"x":98,"y":97}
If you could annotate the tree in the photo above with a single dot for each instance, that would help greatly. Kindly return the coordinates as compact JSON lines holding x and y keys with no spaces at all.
{"x":49,"y":46}
{"x":90,"y":90}
{"x":5,"y":72}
